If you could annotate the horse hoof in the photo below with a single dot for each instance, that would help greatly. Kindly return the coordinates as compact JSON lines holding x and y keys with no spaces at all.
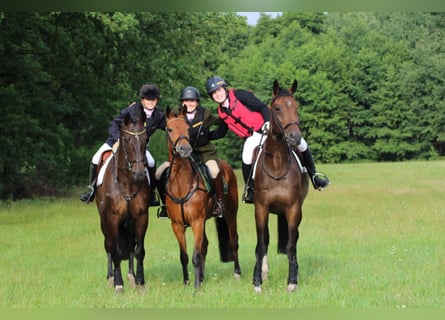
{"x":237,"y":276}
{"x":257,"y":289}
{"x":119,"y":289}
{"x":292,"y":287}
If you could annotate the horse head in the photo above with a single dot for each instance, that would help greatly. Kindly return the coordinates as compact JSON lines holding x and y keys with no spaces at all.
{"x":285,"y":122}
{"x":178,"y":132}
{"x":133,"y":142}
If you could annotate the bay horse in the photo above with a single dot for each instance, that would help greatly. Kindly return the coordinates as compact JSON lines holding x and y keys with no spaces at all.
{"x":189,"y":202}
{"x":280,"y":185}
{"x":123,"y":200}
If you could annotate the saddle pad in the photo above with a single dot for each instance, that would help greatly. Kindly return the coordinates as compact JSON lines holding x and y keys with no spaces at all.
{"x":302,"y":168}
{"x":100,"y":177}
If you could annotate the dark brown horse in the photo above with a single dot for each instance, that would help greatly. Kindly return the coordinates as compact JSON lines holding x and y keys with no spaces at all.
{"x":280,"y":185}
{"x":189,"y":202}
{"x":123,"y":200}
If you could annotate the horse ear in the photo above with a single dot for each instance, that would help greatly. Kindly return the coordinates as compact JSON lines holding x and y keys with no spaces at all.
{"x":294,"y":86}
{"x":168,"y":110}
{"x":184,"y":110}
{"x":276,"y":87}
{"x":127,"y":118}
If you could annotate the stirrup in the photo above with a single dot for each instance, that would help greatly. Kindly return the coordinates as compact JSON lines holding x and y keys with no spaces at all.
{"x":154,"y":202}
{"x":217,"y":206}
{"x":88,"y":196}
{"x":162,"y":212}
{"x":248,"y":195}
{"x":320,"y":181}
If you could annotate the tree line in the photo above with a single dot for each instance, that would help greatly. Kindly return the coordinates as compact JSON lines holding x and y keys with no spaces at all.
{"x":370,"y":84}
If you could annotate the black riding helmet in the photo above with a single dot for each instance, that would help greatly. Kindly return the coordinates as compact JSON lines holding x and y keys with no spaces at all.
{"x":149,"y":91}
{"x":189,"y":93}
{"x":214,"y":83}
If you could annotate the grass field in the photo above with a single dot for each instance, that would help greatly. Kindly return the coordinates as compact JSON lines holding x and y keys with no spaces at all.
{"x":373,"y":239}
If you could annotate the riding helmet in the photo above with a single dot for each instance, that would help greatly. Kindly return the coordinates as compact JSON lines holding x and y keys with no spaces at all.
{"x":149,"y":91}
{"x":214,"y":83}
{"x":189,"y":93}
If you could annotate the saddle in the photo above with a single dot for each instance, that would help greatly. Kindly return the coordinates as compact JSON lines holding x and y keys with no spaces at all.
{"x":203,"y":171}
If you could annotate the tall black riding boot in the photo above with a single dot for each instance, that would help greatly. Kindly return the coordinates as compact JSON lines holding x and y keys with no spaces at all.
{"x":219,"y":207}
{"x":319,"y":180}
{"x":248,"y":189}
{"x":154,"y":202}
{"x":160,"y":185}
{"x":88,"y":196}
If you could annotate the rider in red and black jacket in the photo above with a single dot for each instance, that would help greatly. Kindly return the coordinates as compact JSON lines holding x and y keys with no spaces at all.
{"x":247,"y":116}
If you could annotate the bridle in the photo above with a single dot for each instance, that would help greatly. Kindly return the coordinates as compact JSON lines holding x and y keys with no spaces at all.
{"x":283,"y":137}
{"x":194,"y":172}
{"x":175,"y":147}
{"x":129,"y":163}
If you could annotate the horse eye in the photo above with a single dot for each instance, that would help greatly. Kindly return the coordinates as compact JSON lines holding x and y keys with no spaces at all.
{"x":169,"y":130}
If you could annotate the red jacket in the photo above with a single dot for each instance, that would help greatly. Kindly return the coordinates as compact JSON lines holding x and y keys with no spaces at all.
{"x":239,"y":118}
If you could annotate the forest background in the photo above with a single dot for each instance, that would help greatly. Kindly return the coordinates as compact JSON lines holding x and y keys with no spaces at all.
{"x":371,"y":84}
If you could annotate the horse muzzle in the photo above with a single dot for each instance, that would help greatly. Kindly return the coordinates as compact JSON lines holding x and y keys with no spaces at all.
{"x":293,"y":138}
{"x":184,"y":150}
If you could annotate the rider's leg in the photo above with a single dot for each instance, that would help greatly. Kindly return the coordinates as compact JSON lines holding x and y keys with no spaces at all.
{"x":161,"y":181}
{"x":319,"y":180}
{"x":215,"y":172}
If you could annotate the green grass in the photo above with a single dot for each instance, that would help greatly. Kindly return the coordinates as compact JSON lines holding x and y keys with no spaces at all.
{"x":373,"y":239}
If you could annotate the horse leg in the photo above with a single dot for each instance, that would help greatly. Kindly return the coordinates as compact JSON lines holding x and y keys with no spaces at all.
{"x":291,"y":251}
{"x":141,"y":227}
{"x":179,"y":231}
{"x":111,"y":245}
{"x":233,"y":240}
{"x":130,"y":275}
{"x":264,"y":263}
{"x":261,"y":219}
{"x":110,"y":272}
{"x":199,"y":251}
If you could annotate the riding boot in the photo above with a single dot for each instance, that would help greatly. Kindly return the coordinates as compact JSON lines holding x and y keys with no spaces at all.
{"x":154,"y":202}
{"x":248,"y":190}
{"x":160,"y":185}
{"x":88,"y":196}
{"x":219,"y":207}
{"x":319,"y":180}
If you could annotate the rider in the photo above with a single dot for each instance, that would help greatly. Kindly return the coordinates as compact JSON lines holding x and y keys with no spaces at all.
{"x":247,"y":117}
{"x":200,"y":120}
{"x":149,"y":95}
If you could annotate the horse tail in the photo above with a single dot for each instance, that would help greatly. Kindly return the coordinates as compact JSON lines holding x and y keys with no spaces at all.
{"x":283,"y":235}
{"x":225,"y":253}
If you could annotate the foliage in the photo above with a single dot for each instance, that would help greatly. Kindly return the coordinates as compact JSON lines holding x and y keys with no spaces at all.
{"x":371,"y":85}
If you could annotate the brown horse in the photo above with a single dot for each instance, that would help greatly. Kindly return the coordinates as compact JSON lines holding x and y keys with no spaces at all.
{"x":189,"y":202}
{"x":280,"y":185}
{"x":123,"y":201}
